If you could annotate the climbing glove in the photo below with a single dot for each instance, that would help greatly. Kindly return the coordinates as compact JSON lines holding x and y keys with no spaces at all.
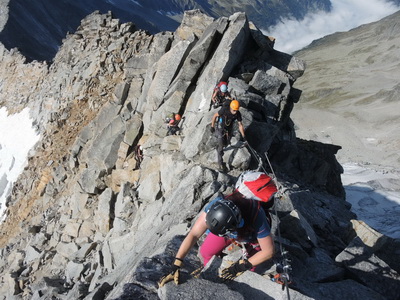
{"x":196,"y":273}
{"x":212,"y":129}
{"x":173,"y":275}
{"x":236,"y":269}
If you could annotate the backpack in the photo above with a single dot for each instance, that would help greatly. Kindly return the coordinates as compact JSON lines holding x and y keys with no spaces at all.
{"x":218,"y":87}
{"x":257,"y":186}
{"x":169,"y":117}
{"x":221,"y":83}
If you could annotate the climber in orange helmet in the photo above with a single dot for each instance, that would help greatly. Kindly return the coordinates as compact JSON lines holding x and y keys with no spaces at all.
{"x":173,"y":123}
{"x":222,"y":124}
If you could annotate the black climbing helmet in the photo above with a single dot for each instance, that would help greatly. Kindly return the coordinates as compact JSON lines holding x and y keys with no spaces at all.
{"x":223,"y":216}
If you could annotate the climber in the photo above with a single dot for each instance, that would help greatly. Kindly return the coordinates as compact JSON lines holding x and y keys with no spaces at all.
{"x":138,"y":156}
{"x":169,"y":117}
{"x":224,"y":119}
{"x":173,"y":123}
{"x":221,"y":95}
{"x":227,"y":220}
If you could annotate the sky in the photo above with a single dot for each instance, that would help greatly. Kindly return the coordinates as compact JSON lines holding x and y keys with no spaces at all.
{"x":292,"y":35}
{"x":17,"y":137}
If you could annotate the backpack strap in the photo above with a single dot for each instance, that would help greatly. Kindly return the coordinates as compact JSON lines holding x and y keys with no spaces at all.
{"x":258,"y":203}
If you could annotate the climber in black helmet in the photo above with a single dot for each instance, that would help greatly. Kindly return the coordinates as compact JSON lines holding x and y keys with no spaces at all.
{"x":228,"y":219}
{"x":223,"y":122}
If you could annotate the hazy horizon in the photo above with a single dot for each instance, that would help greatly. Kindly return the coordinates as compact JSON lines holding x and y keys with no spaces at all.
{"x":292,"y":35}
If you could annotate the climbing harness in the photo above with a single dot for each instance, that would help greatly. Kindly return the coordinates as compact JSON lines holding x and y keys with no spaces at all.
{"x":283,"y":267}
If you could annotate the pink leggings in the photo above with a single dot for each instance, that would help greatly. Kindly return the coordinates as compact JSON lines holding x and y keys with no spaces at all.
{"x":214,"y":244}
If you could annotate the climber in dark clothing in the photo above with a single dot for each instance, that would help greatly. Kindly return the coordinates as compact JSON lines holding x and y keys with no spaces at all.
{"x":224,"y":119}
{"x":138,"y":156}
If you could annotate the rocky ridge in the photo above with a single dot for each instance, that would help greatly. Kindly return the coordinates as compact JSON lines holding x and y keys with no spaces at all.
{"x":36,"y":27}
{"x":84,"y":223}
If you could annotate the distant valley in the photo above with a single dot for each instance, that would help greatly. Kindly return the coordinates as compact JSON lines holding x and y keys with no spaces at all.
{"x":351,"y":93}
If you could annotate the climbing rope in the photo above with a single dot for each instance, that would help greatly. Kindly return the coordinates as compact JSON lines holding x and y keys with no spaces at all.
{"x":283,"y":268}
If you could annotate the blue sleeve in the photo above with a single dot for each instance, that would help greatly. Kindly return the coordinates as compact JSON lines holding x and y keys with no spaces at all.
{"x":208,"y":206}
{"x":261,"y":225}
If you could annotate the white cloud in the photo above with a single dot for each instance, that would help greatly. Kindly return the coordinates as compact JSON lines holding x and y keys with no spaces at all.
{"x":292,"y":35}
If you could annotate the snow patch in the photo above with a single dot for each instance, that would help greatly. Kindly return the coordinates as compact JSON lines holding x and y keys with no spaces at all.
{"x":17,"y":137}
{"x":374,"y":196}
{"x":372,"y":141}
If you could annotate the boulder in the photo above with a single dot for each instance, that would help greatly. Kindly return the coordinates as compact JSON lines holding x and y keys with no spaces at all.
{"x":104,"y":148}
{"x":229,"y":52}
{"x":104,"y":214}
{"x":66,"y":249}
{"x":72,"y":228}
{"x":295,"y":227}
{"x":167,"y":67}
{"x":344,"y":289}
{"x":370,"y":237}
{"x":193,"y":22}
{"x":132,"y":130}
{"x":73,"y":271}
{"x":31,"y":254}
{"x":121,"y":93}
{"x":198,"y":289}
{"x":249,"y":284}
{"x":150,"y":185}
{"x":288,"y":63}
{"x":160,"y":44}
{"x":266,"y":84}
{"x":197,"y":57}
{"x":369,"y":269}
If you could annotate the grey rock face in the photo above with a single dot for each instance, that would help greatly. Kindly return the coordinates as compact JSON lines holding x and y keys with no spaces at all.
{"x":98,"y":219}
{"x":369,"y":269}
{"x":198,"y":289}
{"x":3,"y":13}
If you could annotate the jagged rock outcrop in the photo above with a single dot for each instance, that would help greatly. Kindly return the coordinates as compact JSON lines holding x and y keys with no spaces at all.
{"x":29,"y":22}
{"x":3,"y":13}
{"x":84,"y":222}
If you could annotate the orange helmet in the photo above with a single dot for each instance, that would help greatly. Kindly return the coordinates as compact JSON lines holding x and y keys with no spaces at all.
{"x":177,"y":117}
{"x":235,"y":105}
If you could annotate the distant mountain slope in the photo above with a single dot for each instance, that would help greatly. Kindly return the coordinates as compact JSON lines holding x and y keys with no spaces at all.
{"x":351,"y":92}
{"x":37,"y":27}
